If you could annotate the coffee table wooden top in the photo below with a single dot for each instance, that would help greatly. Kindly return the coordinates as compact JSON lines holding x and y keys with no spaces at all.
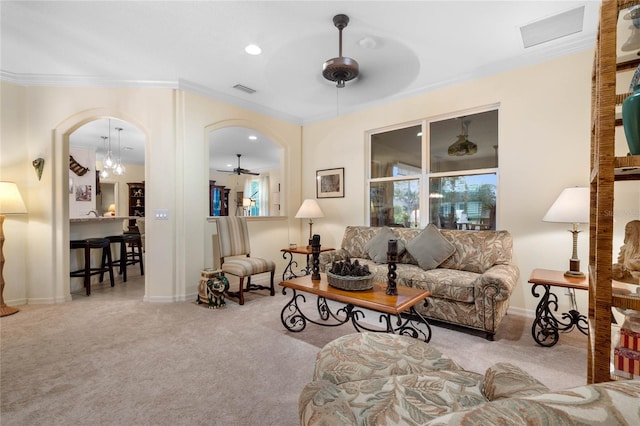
{"x":375,"y":298}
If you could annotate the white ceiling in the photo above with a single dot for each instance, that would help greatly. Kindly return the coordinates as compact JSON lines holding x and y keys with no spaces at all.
{"x":418,"y":46}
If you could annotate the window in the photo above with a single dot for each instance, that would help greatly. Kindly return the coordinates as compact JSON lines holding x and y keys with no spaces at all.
{"x":456,"y":181}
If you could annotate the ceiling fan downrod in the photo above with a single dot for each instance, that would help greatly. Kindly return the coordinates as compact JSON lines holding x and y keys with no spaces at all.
{"x":342,"y":68}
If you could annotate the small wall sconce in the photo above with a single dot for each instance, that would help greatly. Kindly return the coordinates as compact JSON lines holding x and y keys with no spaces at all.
{"x":38,"y":165}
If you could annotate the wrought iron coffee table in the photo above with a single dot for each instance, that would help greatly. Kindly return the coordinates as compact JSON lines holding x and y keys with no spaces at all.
{"x":407,"y":320}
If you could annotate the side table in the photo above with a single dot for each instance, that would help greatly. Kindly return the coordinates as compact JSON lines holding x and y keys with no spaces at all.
{"x":546,"y":326}
{"x":289,"y":252}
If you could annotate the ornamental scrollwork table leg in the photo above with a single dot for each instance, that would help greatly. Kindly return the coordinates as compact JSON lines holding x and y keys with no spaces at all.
{"x":544,"y":329}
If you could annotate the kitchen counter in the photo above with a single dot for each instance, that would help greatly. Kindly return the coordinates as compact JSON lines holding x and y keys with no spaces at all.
{"x":102,"y":218}
{"x":97,"y":227}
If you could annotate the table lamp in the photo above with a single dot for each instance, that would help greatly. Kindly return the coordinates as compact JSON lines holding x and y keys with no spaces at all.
{"x":10,"y":203}
{"x":571,"y":206}
{"x":309,"y":210}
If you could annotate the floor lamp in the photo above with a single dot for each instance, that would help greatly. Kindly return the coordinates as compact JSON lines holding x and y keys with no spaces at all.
{"x":572,"y":206}
{"x":10,"y":203}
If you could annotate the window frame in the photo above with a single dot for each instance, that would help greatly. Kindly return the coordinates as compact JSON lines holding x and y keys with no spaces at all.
{"x":425,"y":154}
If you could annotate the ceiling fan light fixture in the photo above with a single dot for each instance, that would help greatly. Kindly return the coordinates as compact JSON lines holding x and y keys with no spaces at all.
{"x":342,"y":68}
{"x":462,"y":146}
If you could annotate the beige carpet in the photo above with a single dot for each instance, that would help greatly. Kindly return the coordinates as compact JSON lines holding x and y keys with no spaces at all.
{"x":110,"y":359}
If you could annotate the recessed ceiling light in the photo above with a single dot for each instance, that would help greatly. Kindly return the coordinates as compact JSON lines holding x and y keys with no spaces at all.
{"x":253,"y":49}
{"x":253,"y":138}
{"x":368,"y":43}
{"x":229,"y":165}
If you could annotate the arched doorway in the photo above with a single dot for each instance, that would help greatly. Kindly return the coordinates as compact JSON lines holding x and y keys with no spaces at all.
{"x":245,"y":172}
{"x":61,"y":191}
{"x":109,"y":198}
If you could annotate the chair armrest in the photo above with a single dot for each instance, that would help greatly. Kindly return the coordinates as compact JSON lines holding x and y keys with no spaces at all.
{"x":328,"y":257}
{"x":498,"y":281}
{"x":321,"y":403}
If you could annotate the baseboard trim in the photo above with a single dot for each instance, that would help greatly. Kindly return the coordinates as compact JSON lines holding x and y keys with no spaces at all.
{"x":527,"y":313}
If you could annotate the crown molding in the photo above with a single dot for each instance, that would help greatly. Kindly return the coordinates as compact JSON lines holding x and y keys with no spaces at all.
{"x":531,"y":56}
{"x":80,"y":81}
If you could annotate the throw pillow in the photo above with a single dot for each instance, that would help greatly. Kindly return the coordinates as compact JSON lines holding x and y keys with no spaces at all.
{"x":430,"y":248}
{"x":377,"y":247}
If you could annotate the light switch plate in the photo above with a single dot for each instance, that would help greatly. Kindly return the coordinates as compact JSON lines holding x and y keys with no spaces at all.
{"x":161,"y":214}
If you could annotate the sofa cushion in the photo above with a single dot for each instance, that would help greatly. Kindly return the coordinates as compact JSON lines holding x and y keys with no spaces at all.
{"x":430,"y":248}
{"x":477,"y":251}
{"x":378,"y":246}
{"x":412,"y":399}
{"x":503,"y":380}
{"x":506,"y":412}
{"x":366,"y":355}
{"x":355,"y":238}
{"x":609,"y":403}
{"x":449,"y":284}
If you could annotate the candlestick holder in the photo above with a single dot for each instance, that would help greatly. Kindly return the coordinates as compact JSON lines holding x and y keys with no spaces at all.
{"x":392,"y":259}
{"x":315,"y":255}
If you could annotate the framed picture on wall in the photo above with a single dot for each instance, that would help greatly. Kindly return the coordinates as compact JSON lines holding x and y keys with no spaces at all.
{"x":330,"y":183}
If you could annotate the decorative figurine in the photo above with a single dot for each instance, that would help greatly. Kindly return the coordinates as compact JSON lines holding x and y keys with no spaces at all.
{"x":392,"y":259}
{"x":628,"y":267}
{"x":315,"y":253}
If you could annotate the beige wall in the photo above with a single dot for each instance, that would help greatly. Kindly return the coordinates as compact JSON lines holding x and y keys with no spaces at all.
{"x":544,"y":135}
{"x":544,"y":147}
{"x":36,"y":122}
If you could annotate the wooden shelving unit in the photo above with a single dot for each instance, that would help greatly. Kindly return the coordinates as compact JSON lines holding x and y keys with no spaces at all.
{"x":136,"y":203}
{"x":606,"y":169}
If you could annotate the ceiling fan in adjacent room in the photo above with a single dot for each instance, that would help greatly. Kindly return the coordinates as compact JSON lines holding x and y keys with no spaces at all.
{"x":239,"y":170}
{"x":463,"y":146}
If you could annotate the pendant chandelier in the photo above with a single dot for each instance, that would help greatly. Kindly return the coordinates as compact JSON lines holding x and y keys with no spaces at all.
{"x":118,"y":168}
{"x":463,"y":146}
{"x":104,"y":173}
{"x":108,"y":162}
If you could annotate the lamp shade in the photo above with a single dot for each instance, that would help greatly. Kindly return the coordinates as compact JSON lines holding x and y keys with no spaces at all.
{"x":572,"y":206}
{"x":246,"y":202}
{"x":309,"y":210}
{"x":10,"y":199}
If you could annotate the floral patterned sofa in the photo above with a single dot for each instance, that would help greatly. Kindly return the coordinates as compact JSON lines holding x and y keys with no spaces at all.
{"x":387,"y":379}
{"x":469,"y":273}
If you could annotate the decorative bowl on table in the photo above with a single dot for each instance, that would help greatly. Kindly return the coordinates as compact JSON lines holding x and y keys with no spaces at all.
{"x":349,"y":282}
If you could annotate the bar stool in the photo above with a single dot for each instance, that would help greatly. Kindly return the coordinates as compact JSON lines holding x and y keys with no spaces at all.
{"x":126,"y":257}
{"x":135,"y":255}
{"x":105,"y":264}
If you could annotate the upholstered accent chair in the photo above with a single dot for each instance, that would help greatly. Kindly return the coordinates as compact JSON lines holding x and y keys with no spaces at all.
{"x":232,"y":254}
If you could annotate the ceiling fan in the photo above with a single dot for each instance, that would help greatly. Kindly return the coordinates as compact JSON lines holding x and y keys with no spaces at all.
{"x":463,"y":146}
{"x":342,"y":68}
{"x":239,"y":170}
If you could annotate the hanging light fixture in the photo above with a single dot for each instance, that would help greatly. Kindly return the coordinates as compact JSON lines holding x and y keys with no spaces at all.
{"x":108,"y":162}
{"x":463,"y":146}
{"x":119,"y":168}
{"x":104,"y":173}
